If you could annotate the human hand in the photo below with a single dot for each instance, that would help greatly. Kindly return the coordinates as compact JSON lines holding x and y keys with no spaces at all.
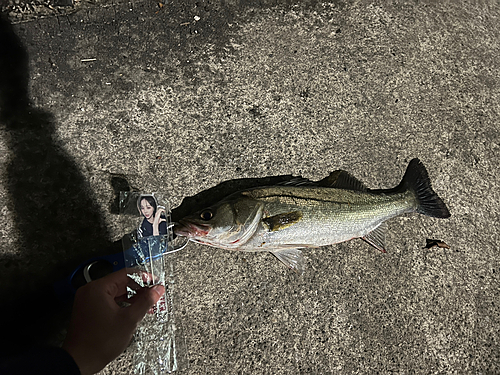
{"x":157,"y":220}
{"x":100,"y":330}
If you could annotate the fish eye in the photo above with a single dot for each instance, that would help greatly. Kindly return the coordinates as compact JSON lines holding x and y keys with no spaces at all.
{"x":206,"y":215}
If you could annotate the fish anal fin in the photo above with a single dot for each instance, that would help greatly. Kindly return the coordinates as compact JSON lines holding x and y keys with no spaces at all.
{"x":292,"y":258}
{"x":282,"y":221}
{"x":376,"y":237}
{"x":342,"y":180}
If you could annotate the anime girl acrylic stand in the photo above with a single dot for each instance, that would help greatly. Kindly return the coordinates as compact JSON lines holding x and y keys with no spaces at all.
{"x":147,"y":248}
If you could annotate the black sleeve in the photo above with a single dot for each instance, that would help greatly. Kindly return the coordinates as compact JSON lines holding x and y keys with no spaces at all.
{"x":162,"y":228}
{"x":41,"y":361}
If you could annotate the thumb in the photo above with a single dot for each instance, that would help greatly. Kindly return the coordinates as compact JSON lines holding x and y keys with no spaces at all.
{"x":143,"y":301}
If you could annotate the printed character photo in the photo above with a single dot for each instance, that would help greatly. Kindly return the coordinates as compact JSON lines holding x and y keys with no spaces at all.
{"x":154,"y":222}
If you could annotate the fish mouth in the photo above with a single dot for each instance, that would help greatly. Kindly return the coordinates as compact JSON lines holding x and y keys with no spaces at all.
{"x":188,"y":229}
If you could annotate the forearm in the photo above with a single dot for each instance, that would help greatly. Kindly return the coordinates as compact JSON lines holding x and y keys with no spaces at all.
{"x":41,"y":361}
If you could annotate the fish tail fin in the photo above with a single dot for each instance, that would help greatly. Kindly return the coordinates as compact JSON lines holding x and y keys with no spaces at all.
{"x":417,"y":180}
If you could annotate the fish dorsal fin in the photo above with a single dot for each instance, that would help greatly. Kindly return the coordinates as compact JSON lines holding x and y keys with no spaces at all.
{"x":342,"y":180}
{"x":282,"y":221}
{"x":292,"y":258}
{"x":297,"y":181}
{"x":376,"y":237}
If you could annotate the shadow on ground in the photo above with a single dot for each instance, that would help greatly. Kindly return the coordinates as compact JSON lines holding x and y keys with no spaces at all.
{"x":56,"y":217}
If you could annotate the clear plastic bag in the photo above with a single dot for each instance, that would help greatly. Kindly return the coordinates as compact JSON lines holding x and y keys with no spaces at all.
{"x":148,"y":250}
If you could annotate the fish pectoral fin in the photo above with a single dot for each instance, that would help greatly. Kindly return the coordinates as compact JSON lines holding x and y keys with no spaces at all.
{"x":282,"y":221}
{"x":376,"y":237}
{"x":292,"y":258}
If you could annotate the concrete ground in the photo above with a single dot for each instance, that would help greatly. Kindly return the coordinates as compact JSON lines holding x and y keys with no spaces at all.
{"x":183,"y":96}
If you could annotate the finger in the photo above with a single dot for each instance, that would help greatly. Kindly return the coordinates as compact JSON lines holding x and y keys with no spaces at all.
{"x":121,"y":299}
{"x":137,"y":296}
{"x":114,"y":284}
{"x":134,"y":285}
{"x":143,"y":301}
{"x":138,"y":279}
{"x":149,"y":278}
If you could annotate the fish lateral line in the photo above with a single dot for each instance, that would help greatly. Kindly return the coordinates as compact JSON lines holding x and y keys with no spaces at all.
{"x":321,"y":200}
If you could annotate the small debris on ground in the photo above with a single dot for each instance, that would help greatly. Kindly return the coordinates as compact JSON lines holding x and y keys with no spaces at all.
{"x":435,"y":243}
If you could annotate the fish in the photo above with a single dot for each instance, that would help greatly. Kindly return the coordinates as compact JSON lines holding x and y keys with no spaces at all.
{"x":285,"y":218}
